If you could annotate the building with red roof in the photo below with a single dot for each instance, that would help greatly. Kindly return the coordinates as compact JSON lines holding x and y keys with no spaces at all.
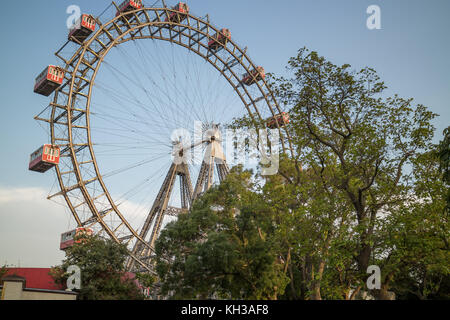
{"x":37,"y":284}
{"x":32,"y":284}
{"x":37,"y":278}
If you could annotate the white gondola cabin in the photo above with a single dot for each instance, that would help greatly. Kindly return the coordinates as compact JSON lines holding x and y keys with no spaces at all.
{"x":49,"y":80}
{"x":83,"y":28}
{"x":45,"y":158}
{"x":181,"y":14}
{"x":254,"y":76}
{"x":219,"y":39}
{"x":68,"y":238}
{"x":129,"y":5}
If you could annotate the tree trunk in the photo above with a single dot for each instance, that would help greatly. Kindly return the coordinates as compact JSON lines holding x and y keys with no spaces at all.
{"x":315,"y":280}
{"x":315,"y":292}
{"x":364,"y":257}
{"x":291,"y":276}
{"x":383,"y":293}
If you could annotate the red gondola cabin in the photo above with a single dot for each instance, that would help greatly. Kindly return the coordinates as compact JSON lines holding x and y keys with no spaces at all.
{"x":181,"y":14}
{"x":282,"y":119}
{"x":68,"y":238}
{"x":129,"y":5}
{"x":82,"y":28}
{"x":254,"y":76}
{"x":49,"y":80}
{"x":45,"y":158}
{"x":219,"y":39}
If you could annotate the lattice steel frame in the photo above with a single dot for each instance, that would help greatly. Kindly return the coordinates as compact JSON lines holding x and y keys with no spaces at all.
{"x":80,"y":180}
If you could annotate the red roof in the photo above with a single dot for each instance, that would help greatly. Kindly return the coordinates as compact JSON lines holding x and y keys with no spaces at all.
{"x":36,"y":278}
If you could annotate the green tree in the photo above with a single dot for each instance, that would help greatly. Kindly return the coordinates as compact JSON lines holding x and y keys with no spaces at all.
{"x":221,"y":249}
{"x":146,"y":280}
{"x":311,"y":229}
{"x":358,"y":149}
{"x":444,"y":158}
{"x":419,"y":267}
{"x":3,"y":271}
{"x":362,"y":187}
{"x":340,"y":117}
{"x":102,"y":265}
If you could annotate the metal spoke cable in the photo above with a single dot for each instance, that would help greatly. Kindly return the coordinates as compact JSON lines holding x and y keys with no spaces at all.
{"x":147,"y":110}
{"x":133,"y":166}
{"x":174,"y":92}
{"x":131,"y":62}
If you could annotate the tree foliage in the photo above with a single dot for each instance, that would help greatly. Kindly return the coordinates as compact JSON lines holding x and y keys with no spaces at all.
{"x":222,"y":248}
{"x":3,"y":271}
{"x":102,"y":265}
{"x":362,"y":187}
{"x":444,"y":159}
{"x":371,"y":154}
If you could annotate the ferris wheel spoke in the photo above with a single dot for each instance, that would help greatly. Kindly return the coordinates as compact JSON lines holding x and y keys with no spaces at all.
{"x":148,"y":87}
{"x":139,"y":189}
{"x":123,"y":123}
{"x":136,"y":102}
{"x":128,"y":59}
{"x":195,"y":88}
{"x":145,"y":62}
{"x":139,"y":136}
{"x":137,"y":119}
{"x":193,"y":106}
{"x":150,"y":96}
{"x":134,"y":191}
{"x":172,"y":86}
{"x":133,"y":166}
{"x":130,"y":146}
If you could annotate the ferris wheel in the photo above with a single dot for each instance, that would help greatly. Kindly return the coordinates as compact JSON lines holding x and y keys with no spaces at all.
{"x":140,"y":103}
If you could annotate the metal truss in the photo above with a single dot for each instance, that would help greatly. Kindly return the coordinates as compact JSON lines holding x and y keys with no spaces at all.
{"x":161,"y":208}
{"x":80,"y":181}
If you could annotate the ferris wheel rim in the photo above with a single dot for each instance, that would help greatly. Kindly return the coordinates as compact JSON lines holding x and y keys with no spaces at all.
{"x":81,"y":53}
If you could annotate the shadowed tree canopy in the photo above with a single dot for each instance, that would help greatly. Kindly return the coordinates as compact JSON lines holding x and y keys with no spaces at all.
{"x":220,"y":250}
{"x":3,"y":271}
{"x":369,"y":150}
{"x":444,"y":158}
{"x":363,"y":187}
{"x":102,"y":265}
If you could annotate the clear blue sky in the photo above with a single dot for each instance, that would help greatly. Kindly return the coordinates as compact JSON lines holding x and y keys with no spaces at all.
{"x":411,"y":54}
